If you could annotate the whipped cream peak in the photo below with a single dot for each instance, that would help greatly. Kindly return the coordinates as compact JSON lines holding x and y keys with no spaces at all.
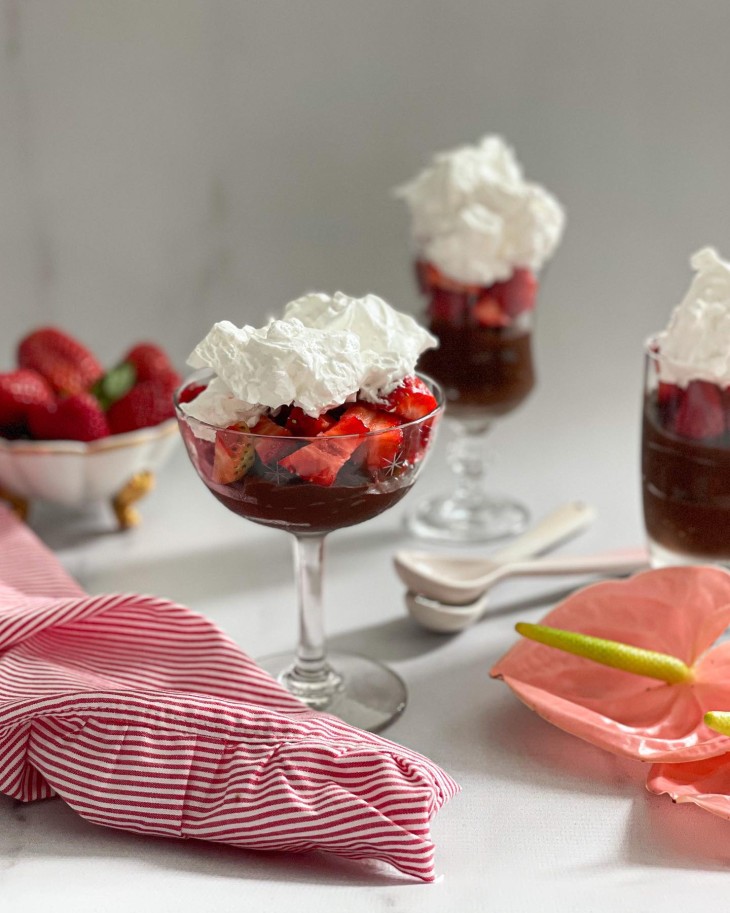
{"x":325,"y":351}
{"x":390,"y":341}
{"x":477,"y":219}
{"x":696,"y":342}
{"x":283,"y":362}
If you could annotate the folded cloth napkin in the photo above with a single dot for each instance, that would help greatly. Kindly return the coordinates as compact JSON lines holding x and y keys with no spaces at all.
{"x":141,"y":714}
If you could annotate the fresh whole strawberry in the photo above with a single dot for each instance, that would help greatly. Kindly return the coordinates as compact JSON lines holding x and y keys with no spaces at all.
{"x":67,"y":365}
{"x":147,"y":403}
{"x":71,"y":418}
{"x":151,"y":362}
{"x":701,"y":413}
{"x":20,"y":391}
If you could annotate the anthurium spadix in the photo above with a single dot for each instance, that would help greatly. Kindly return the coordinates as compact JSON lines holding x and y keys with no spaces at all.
{"x":630,"y":668}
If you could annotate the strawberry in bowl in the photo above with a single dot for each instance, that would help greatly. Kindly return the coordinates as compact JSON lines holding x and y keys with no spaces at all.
{"x":72,"y":433}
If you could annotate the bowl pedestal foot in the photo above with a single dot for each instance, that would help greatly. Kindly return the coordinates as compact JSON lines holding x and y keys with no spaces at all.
{"x":123,"y":501}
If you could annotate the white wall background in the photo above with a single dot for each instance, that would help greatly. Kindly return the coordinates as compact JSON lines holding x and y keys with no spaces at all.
{"x":166,"y":163}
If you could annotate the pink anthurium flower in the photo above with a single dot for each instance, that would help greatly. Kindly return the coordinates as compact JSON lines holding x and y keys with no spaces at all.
{"x":651,"y":707}
{"x":706,"y":783}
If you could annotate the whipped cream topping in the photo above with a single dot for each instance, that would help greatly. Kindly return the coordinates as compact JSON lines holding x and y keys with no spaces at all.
{"x":475,"y":217}
{"x":390,"y":341}
{"x":324,"y":352}
{"x":696,"y":342}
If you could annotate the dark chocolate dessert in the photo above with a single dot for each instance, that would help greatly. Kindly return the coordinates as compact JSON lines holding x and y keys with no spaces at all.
{"x":686,"y":472}
{"x":484,"y":359}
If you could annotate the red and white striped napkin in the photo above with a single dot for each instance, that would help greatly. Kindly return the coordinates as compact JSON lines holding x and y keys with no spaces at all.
{"x":141,"y":714}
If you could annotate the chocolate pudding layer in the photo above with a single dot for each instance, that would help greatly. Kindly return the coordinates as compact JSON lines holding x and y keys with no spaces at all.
{"x":488,"y":369}
{"x":300,"y":507}
{"x":686,"y":490}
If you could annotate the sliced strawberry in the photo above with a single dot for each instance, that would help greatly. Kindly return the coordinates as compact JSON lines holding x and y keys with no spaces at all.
{"x":668,"y":394}
{"x":191,"y":392}
{"x":430,"y":277}
{"x":669,"y":397}
{"x":67,"y":365}
{"x":449,"y":307}
{"x":320,"y":461}
{"x":300,"y":424}
{"x":517,"y":294}
{"x":488,"y":312}
{"x":381,"y":450}
{"x":234,"y":453}
{"x":270,"y":451}
{"x":19,"y":392}
{"x":701,"y":414}
{"x":72,"y":418}
{"x":411,"y":400}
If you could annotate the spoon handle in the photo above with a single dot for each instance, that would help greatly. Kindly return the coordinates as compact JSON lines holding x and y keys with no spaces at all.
{"x":563,"y":523}
{"x":623,"y":560}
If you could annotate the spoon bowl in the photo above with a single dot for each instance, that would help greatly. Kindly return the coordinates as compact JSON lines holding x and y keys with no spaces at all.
{"x":446,"y":618}
{"x":460,"y":579}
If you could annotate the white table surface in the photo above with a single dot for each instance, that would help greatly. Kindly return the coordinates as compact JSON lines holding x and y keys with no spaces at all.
{"x":544,"y":821}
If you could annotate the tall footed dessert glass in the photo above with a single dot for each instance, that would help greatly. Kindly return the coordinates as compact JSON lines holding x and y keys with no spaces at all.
{"x":481,"y":235}
{"x":685,"y":452}
{"x":314,"y":423}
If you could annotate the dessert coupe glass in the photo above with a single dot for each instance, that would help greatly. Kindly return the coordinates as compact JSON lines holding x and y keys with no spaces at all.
{"x":359,"y":690}
{"x":484,"y":363}
{"x":685,"y":467}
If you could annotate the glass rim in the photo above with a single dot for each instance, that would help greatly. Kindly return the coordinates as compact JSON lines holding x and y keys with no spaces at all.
{"x":208,"y":373}
{"x":652,"y":350}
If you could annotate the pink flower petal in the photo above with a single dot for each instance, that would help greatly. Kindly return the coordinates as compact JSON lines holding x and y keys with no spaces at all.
{"x":680,"y":611}
{"x":706,"y":783}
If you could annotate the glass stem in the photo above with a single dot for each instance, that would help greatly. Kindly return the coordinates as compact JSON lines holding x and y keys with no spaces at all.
{"x":469,"y":463}
{"x":311,"y":678}
{"x":308,"y":566}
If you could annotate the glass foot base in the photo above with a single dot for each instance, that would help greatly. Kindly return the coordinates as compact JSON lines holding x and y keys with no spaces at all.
{"x":447,"y":520}
{"x":358,"y":690}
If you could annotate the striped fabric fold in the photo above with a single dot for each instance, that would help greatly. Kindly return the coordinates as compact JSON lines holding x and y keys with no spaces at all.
{"x":141,"y":714}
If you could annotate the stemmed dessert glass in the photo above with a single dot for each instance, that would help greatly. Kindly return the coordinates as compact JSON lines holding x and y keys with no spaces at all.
{"x":350,"y":489}
{"x":484,"y":363}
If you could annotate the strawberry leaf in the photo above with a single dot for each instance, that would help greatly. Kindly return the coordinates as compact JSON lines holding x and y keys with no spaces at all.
{"x":114,"y":384}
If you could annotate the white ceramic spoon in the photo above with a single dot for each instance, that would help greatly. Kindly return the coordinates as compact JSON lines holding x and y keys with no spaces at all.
{"x":444,"y":618}
{"x":459,"y":579}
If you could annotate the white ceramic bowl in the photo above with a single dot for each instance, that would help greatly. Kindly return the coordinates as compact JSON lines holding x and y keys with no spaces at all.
{"x":119,"y":468}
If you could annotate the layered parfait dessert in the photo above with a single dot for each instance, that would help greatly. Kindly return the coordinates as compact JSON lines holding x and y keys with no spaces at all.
{"x":314,"y":421}
{"x":481,"y":234}
{"x":686,"y":423}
